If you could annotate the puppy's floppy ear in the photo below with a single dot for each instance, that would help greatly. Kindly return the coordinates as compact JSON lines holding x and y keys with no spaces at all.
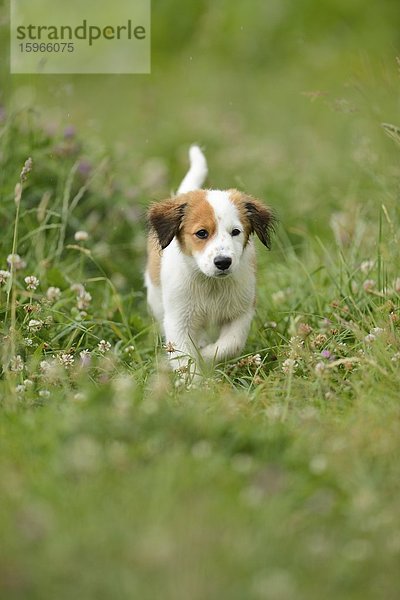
{"x":261,"y":218}
{"x":166,"y":218}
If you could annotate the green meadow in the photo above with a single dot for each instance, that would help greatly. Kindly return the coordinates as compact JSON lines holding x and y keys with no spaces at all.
{"x":278,"y":477}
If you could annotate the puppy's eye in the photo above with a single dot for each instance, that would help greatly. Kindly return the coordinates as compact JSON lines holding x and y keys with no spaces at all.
{"x":235,"y":232}
{"x":202,"y":234}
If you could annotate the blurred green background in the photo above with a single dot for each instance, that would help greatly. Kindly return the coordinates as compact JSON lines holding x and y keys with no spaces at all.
{"x":234,"y":77}
{"x":286,"y":98}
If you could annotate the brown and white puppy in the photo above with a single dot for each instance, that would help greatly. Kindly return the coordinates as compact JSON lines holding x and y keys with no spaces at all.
{"x":200,"y":274}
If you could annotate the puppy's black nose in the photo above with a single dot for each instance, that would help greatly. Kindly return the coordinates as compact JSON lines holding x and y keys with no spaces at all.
{"x":222,"y":262}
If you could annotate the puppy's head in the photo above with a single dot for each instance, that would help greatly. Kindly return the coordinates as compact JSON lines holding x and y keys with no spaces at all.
{"x":212,"y":226}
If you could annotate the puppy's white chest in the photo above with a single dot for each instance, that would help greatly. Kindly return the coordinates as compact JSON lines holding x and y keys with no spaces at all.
{"x":218,"y":302}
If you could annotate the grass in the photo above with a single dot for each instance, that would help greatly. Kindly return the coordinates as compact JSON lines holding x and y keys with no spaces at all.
{"x":278,"y":478}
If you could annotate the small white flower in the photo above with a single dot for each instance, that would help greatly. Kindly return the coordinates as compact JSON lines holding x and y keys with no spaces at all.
{"x":31,"y":282}
{"x":28,"y":342}
{"x":16,"y":261}
{"x":81,"y":236}
{"x":84,"y":355}
{"x":370,"y":338}
{"x":377,"y":331}
{"x":17,"y":364}
{"x":44,"y":393}
{"x":129,"y":349}
{"x":83,"y":300}
{"x":53,"y":294}
{"x":369,"y":284}
{"x":67,"y":360}
{"x":373,"y":334}
{"x":20,"y":389}
{"x":34,"y":325}
{"x":28,"y":382}
{"x":4,"y":276}
{"x":366,"y":266}
{"x":257,"y":360}
{"x":45,"y":366}
{"x":104,"y":346}
{"x":289,"y":365}
{"x":396,"y":357}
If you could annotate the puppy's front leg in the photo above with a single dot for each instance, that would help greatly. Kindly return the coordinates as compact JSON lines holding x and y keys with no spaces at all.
{"x":178,"y":335}
{"x":231,"y":341}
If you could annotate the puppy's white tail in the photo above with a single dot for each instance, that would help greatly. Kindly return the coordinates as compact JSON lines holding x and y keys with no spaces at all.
{"x":197,"y":173}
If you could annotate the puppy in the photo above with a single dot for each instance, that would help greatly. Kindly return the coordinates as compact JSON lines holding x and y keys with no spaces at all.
{"x":201,"y":269}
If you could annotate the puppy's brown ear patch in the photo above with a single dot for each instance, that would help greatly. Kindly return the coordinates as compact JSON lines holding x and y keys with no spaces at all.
{"x":166,"y":218}
{"x":261,"y":218}
{"x":256,"y":217}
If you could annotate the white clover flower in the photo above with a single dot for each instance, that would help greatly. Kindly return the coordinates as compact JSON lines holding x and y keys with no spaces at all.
{"x":396,"y":357}
{"x":366,"y":266}
{"x":370,"y":338}
{"x":67,"y":360}
{"x":20,"y":389}
{"x":129,"y":349}
{"x":83,"y":300}
{"x":373,"y":334}
{"x":369,"y":284}
{"x":45,"y":366}
{"x":17,"y":364}
{"x":28,"y":382}
{"x":34,"y":325}
{"x":44,"y":393}
{"x":28,"y":342}
{"x":257,"y":360}
{"x":104,"y":346}
{"x":53,"y":294}
{"x":81,"y":236}
{"x":4,"y":276}
{"x":31,"y":282}
{"x":16,"y":261}
{"x":84,"y":355}
{"x":377,"y":331}
{"x":289,"y":365}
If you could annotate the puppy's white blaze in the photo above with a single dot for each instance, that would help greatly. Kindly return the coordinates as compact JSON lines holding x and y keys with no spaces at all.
{"x":226,"y":213}
{"x":227,"y":219}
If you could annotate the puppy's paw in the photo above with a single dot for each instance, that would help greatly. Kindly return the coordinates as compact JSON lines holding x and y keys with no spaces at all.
{"x":209,"y":352}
